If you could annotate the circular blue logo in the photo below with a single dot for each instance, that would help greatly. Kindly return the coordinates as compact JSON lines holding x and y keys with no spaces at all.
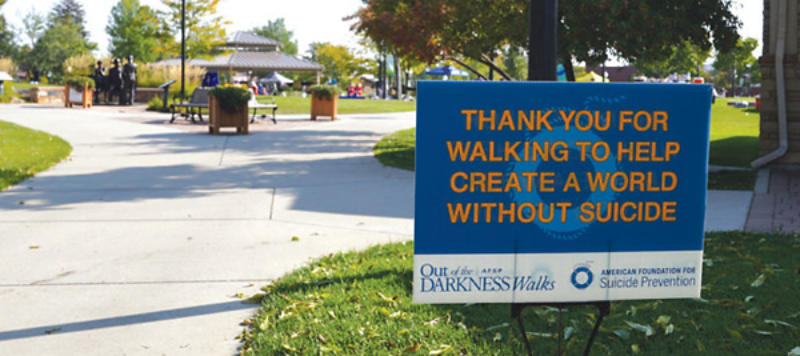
{"x":581,"y":277}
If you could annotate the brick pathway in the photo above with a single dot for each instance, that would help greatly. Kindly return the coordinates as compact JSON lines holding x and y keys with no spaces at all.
{"x":777,"y":210}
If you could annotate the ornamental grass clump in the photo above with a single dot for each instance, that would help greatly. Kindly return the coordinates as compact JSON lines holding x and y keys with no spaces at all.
{"x":232,"y":98}
{"x":326,"y":92}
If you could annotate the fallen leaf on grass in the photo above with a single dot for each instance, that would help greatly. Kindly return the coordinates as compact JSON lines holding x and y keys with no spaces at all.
{"x":289,"y":348}
{"x":538,"y":334}
{"x":635,"y":348}
{"x":734,"y":333}
{"x":763,"y":332}
{"x":412,"y":348}
{"x":430,"y":323}
{"x":759,"y":281}
{"x":646,"y":329}
{"x":779,"y":322}
{"x":322,"y":339}
{"x":503,"y":325}
{"x":442,"y":350}
{"x":748,"y":298}
{"x":794,"y":352}
{"x":669,"y":329}
{"x":568,"y":331}
{"x":497,"y":337}
{"x":663,"y":320}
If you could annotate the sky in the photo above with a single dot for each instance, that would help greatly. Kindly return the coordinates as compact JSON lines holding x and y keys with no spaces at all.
{"x":311,"y":20}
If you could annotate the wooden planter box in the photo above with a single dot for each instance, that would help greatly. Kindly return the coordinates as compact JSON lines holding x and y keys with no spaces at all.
{"x":324,"y":107}
{"x":220,"y":118}
{"x":72,"y":96}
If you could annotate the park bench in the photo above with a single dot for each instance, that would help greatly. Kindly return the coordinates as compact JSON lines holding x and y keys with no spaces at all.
{"x":198,"y":100}
{"x":255,"y":105}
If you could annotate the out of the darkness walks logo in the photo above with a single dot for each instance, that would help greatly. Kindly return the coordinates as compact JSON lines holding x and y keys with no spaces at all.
{"x":455,"y":280}
{"x":581,"y":277}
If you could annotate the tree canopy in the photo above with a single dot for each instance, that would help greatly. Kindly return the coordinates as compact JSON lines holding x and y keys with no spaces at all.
{"x":685,"y":57}
{"x":204,"y":31}
{"x":69,"y":11}
{"x":59,"y":42}
{"x":134,"y":30}
{"x":276,"y":30}
{"x":339,"y":62}
{"x":589,"y":30}
{"x":735,"y":64}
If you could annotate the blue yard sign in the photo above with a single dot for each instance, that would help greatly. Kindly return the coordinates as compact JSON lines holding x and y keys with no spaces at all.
{"x":558,"y":192}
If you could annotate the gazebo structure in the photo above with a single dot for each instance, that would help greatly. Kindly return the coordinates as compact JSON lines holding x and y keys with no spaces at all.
{"x":250,"y":52}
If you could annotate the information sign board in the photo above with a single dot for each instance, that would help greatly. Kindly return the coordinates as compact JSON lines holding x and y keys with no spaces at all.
{"x":559,"y":192}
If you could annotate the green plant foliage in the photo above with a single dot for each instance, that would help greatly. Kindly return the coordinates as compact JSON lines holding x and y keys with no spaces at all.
{"x":326,"y":92}
{"x":134,"y":30}
{"x":231,"y":99}
{"x":276,"y":30}
{"x":77,"y":83}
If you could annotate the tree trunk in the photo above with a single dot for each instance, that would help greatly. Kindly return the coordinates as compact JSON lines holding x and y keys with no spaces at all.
{"x":570,"y":71}
{"x":397,"y":76}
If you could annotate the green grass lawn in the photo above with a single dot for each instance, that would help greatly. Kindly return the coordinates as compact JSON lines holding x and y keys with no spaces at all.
{"x":360,"y":303}
{"x":734,"y":142}
{"x":298,"y":105}
{"x":25,"y":152}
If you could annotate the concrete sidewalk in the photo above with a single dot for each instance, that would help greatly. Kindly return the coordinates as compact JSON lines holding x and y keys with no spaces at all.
{"x":138,"y":243}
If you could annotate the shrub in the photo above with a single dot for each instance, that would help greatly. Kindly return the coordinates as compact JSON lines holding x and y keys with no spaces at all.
{"x":231,"y":97}
{"x":80,"y":65}
{"x":7,"y":65}
{"x":324,"y":91}
{"x":151,"y":76}
{"x":78,"y":82}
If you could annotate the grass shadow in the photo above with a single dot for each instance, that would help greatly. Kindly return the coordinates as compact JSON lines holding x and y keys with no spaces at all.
{"x":737,"y":151}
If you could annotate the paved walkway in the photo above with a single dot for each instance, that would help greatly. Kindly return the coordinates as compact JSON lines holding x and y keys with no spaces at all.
{"x":138,"y":243}
{"x":776,"y":206}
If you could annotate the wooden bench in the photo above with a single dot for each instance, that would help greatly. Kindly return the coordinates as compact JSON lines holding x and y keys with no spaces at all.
{"x":255,"y":105}
{"x":199,"y":100}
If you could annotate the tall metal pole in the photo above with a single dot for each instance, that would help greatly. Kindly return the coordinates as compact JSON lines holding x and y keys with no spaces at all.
{"x":542,"y":45}
{"x":183,"y":49}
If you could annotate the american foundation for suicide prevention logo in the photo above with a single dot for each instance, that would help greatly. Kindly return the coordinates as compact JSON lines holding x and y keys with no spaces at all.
{"x":582,"y":276}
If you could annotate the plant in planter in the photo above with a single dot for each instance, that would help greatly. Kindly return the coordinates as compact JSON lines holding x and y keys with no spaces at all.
{"x":324,"y":101}
{"x":227,"y":107}
{"x":78,"y":90}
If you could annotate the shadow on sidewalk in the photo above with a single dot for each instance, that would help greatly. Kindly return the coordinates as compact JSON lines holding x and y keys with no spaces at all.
{"x":124,"y":320}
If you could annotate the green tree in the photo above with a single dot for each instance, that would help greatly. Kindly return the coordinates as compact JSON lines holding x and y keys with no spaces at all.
{"x":204,"y":31}
{"x":589,"y":30}
{"x":339,"y":62}
{"x":69,"y":11}
{"x":134,"y":30}
{"x":33,"y":26}
{"x":276,"y":30}
{"x":737,"y":63}
{"x":686,"y":57}
{"x":59,"y":42}
{"x":8,"y":46}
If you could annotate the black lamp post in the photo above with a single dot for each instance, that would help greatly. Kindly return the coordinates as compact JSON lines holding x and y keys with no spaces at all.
{"x":542,"y":40}
{"x":183,"y":49}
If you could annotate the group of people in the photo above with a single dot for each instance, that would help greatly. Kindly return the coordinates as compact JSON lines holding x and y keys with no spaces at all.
{"x":119,"y":83}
